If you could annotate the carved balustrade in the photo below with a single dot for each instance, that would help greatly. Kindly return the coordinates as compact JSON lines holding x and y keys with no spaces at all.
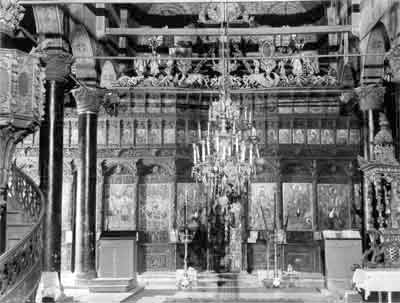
{"x":20,"y":266}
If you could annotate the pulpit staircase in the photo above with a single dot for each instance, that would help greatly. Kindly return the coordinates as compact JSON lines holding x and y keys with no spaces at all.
{"x":20,"y":265}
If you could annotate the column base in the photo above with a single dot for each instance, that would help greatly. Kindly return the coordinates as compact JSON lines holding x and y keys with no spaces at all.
{"x":83,"y":279}
{"x":50,"y":289}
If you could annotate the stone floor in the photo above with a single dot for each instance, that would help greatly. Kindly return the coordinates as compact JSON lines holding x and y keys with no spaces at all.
{"x":256,"y":295}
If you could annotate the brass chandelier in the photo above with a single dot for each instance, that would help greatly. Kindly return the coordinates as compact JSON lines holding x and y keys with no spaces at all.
{"x":225,"y":159}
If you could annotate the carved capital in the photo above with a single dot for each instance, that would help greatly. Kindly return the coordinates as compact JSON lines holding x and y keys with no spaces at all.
{"x":88,"y":99}
{"x":393,"y":57}
{"x":58,"y":65}
{"x":371,"y":97}
{"x":11,"y":14}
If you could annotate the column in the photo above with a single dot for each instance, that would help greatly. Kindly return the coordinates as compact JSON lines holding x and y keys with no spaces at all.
{"x":314,"y":174}
{"x":88,"y":102}
{"x":51,"y":156}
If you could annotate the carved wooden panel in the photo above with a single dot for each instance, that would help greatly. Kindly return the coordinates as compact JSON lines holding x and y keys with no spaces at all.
{"x":155,"y":206}
{"x":313,"y":136}
{"x":141,"y":132}
{"x":101,"y":132}
{"x":155,"y":132}
{"x":333,"y":205}
{"x":297,"y":206}
{"x":114,"y":132}
{"x":127,"y":132}
{"x":169,"y":132}
{"x":157,"y":257}
{"x":262,"y":197}
{"x":197,"y":202}
{"x":327,"y":136}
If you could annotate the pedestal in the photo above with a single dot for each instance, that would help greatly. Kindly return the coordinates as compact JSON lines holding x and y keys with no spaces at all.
{"x":117,"y":266}
{"x":342,"y":251}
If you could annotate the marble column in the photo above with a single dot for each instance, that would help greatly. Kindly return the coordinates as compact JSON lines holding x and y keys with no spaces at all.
{"x":51,"y":156}
{"x":88,"y":102}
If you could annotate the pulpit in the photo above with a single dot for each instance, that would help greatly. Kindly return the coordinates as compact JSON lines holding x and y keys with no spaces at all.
{"x":380,"y":270}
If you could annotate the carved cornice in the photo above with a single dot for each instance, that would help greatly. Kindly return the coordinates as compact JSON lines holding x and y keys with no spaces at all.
{"x":88,"y":100}
{"x":58,"y":65}
{"x":371,"y":96}
{"x":11,"y":14}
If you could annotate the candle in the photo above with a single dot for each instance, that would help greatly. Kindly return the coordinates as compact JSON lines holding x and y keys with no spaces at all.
{"x":243,"y":151}
{"x":203,"y":150}
{"x":198,"y":153}
{"x":245,"y":113}
{"x":253,"y":132}
{"x":194,"y":153}
{"x":185,"y":208}
{"x":199,"y":129}
{"x":257,"y":152}
{"x":250,"y":114}
{"x":251,"y":154}
{"x":217,"y":143}
{"x":208,"y":129}
{"x":208,"y":146}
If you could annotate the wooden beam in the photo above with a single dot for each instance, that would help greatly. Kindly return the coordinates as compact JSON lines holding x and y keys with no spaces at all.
{"x":256,"y":31}
{"x":152,"y":1}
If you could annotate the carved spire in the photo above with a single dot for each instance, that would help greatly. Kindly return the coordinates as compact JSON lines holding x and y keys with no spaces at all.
{"x":383,"y":142}
{"x":11,"y":14}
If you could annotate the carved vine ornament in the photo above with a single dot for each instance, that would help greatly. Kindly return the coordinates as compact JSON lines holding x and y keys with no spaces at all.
{"x":294,"y":71}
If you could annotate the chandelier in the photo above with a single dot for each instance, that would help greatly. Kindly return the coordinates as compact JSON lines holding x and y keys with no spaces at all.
{"x":226,"y":158}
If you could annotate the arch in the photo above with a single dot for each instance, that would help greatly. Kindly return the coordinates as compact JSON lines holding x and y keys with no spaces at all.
{"x":378,"y":43}
{"x":83,"y":46}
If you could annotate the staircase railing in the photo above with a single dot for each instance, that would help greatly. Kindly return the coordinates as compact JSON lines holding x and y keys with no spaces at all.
{"x":20,"y":266}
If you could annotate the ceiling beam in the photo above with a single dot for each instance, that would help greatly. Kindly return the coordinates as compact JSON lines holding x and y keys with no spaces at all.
{"x":249,"y":31}
{"x":153,"y":1}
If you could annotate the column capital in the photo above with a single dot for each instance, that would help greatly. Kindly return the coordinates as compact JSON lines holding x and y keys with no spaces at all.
{"x":88,"y":99}
{"x":371,"y":96}
{"x":58,"y":65}
{"x":393,"y":56}
{"x":11,"y":14}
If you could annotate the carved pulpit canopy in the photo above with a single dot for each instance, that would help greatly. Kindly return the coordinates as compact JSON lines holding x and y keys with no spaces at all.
{"x":393,"y":56}
{"x":384,"y":161}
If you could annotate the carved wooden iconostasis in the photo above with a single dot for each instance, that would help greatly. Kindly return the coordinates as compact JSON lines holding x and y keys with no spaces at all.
{"x":144,"y":170}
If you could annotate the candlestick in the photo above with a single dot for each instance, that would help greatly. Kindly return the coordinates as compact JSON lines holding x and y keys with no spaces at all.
{"x":194,"y":153}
